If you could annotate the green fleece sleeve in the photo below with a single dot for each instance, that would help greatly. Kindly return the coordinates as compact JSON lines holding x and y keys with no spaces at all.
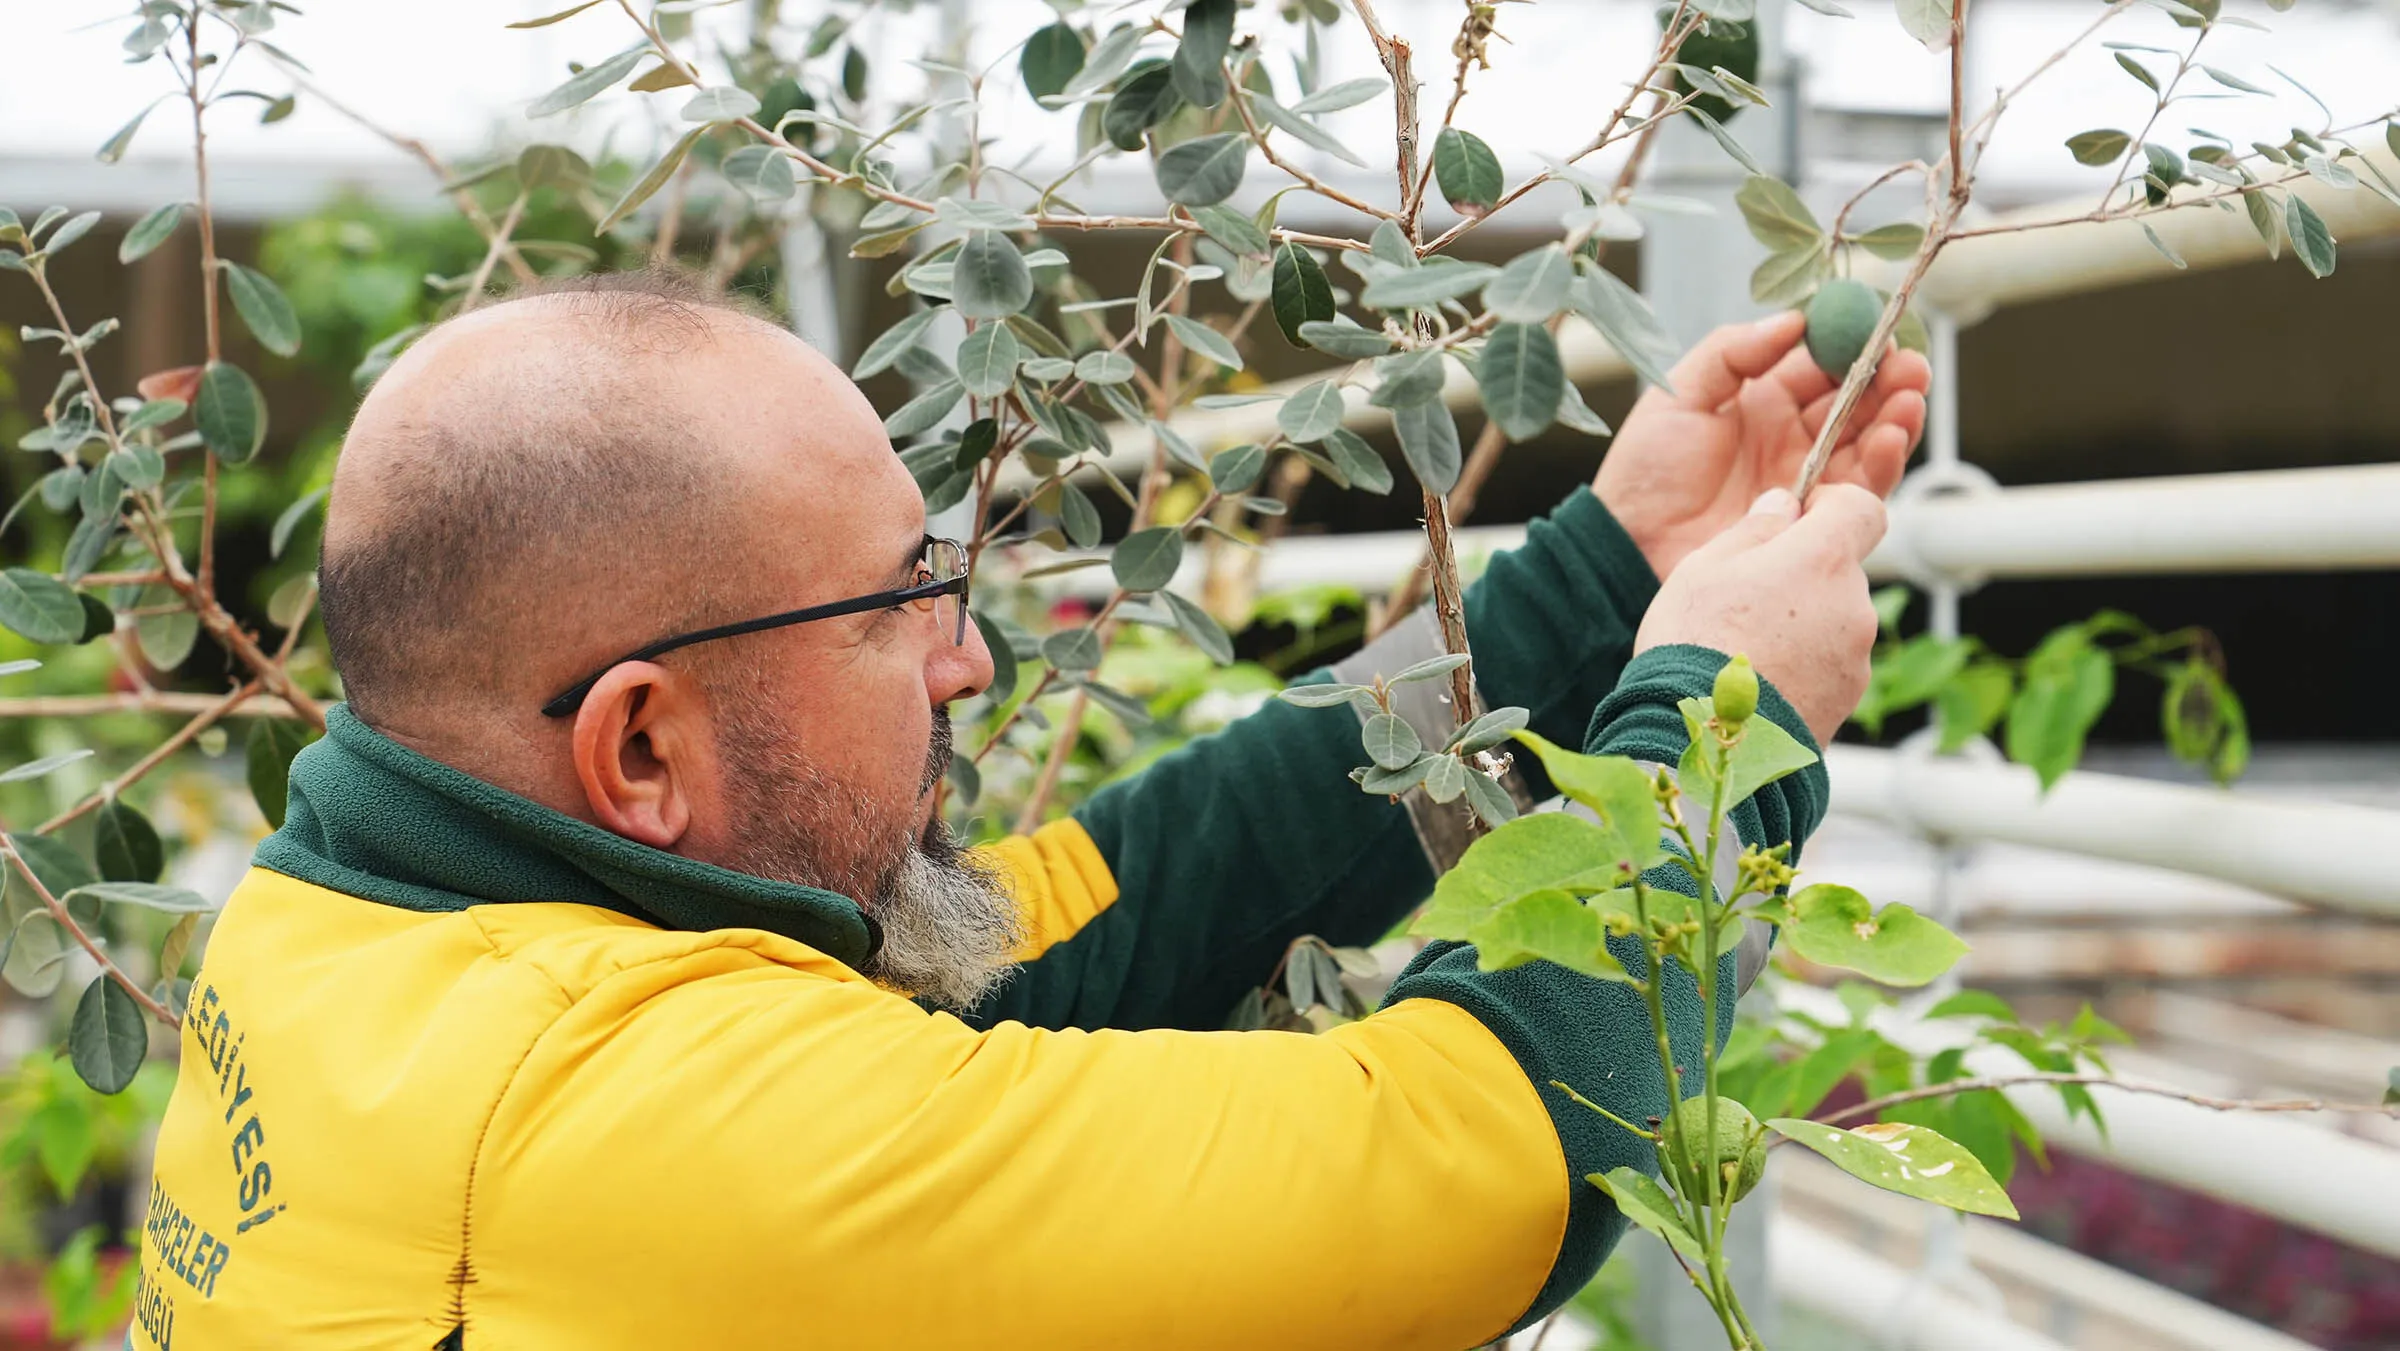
{"x":1226,"y":850}
{"x":1595,"y":1035}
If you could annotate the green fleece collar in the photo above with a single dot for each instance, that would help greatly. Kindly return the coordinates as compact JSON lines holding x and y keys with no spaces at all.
{"x":371,"y":818}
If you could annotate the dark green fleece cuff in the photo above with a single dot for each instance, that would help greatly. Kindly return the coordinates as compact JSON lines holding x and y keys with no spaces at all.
{"x":1595,"y":1035}
{"x":1552,"y":623}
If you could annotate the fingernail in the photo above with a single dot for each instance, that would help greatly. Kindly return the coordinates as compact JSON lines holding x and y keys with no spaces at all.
{"x":1776,"y":502}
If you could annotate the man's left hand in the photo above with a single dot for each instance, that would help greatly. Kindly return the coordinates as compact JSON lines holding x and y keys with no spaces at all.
{"x":1747,"y":404}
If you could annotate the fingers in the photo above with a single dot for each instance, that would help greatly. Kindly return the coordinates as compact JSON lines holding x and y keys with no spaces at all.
{"x":1770,"y":515}
{"x":1843,"y":522}
{"x":1801,"y":378}
{"x":1882,"y":450}
{"x":1713,"y":371}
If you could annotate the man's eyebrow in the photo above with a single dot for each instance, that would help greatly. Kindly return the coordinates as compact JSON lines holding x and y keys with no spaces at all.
{"x":906,"y":572}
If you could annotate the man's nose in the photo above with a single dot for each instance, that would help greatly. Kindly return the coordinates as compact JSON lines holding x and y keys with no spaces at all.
{"x":956,"y":671}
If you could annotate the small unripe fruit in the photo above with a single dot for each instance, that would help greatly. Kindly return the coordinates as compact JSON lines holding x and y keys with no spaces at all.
{"x":1840,"y":320}
{"x":1736,"y":694}
{"x":1739,"y":1155}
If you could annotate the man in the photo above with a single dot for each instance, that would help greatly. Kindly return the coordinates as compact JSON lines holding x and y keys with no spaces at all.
{"x":567,"y":1009}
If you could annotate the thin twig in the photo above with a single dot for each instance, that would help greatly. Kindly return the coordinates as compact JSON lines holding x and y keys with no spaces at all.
{"x":1679,"y":27}
{"x":158,"y":754}
{"x":153,"y":701}
{"x":1998,"y":1081}
{"x":211,"y":324}
{"x":422,"y":154}
{"x":58,"y":912}
{"x":827,"y":173}
{"x":1258,"y":136}
{"x":501,"y":243}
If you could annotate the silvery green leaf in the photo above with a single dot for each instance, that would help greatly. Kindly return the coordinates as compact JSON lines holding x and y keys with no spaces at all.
{"x":1532,"y":287}
{"x":1575,"y":413}
{"x":1390,"y":742}
{"x":1347,"y":94}
{"x":1321,"y":695}
{"x":1304,"y":130}
{"x":149,"y":232}
{"x":2161,"y":245}
{"x":1725,"y":140}
{"x":924,"y":412}
{"x":34,"y":769}
{"x":1106,"y":61}
{"x":1522,"y":378}
{"x":1928,"y":21}
{"x":1205,"y":171}
{"x":971,"y":213}
{"x":888,"y":346}
{"x":989,"y":278}
{"x":1432,"y":668}
{"x":1073,"y":650}
{"x":1236,"y":468}
{"x":1313,"y":413}
{"x":1345,"y":338}
{"x":1427,"y":286}
{"x":1445,"y":778}
{"x":1406,"y":378}
{"x":1429,"y":442}
{"x":587,"y":82}
{"x":720,"y":103}
{"x":1178,"y":449}
{"x":1201,"y":627}
{"x":1105,"y":368}
{"x":1206,"y":341}
{"x":987,"y":360}
{"x":763,"y":172}
{"x":1146,"y":559}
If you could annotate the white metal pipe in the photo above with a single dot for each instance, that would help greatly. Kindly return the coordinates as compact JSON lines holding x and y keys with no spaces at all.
{"x":1972,"y":276}
{"x":2278,"y":520}
{"x":2269,"y":521}
{"x":2320,"y":853}
{"x":1862,"y":1292}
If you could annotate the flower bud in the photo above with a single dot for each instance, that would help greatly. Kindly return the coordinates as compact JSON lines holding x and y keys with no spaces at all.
{"x":1736,"y":694}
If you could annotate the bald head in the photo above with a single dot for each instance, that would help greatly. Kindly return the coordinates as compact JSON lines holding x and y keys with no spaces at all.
{"x":546,"y":482}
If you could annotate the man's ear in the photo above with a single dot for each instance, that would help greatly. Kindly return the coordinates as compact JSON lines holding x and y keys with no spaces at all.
{"x":644,"y":753}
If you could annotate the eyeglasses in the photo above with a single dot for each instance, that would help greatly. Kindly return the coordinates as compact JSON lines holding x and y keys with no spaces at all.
{"x":941,"y":575}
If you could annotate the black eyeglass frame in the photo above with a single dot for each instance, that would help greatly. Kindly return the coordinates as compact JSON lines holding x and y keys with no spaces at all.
{"x":571,"y":698}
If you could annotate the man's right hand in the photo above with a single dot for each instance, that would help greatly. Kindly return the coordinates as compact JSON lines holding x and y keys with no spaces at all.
{"x":1787,"y":588}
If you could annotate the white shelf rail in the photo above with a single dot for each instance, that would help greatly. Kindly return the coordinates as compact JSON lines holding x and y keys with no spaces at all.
{"x":2332,"y":855}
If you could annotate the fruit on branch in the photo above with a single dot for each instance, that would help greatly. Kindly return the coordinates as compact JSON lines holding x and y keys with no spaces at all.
{"x":1841,"y":317}
{"x":1736,"y":694}
{"x":1739,"y":1152}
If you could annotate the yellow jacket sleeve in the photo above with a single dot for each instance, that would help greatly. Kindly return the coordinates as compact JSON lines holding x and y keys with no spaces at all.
{"x":758,"y":1157}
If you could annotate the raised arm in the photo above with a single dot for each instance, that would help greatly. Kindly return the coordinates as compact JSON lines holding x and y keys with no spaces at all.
{"x":871,"y":1173}
{"x":1167,"y":895}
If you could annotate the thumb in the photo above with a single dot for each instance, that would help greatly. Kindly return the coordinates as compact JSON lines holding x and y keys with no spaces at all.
{"x":1770,"y":515}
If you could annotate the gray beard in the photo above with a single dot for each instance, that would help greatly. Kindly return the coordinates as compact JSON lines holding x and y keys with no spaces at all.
{"x":948,"y":921}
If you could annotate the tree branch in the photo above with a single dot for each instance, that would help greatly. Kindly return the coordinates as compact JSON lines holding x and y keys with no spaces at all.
{"x":158,"y":754}
{"x":1872,"y":1106}
{"x":58,"y":912}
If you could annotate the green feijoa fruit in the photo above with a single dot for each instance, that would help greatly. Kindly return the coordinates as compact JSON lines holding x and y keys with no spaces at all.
{"x":1739,"y":1158}
{"x":1840,"y":320}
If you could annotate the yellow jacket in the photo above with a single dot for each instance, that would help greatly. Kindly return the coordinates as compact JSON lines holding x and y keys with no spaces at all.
{"x":420,"y":1105}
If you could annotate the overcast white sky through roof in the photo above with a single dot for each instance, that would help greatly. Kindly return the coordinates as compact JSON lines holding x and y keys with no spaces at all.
{"x":447,"y":71}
